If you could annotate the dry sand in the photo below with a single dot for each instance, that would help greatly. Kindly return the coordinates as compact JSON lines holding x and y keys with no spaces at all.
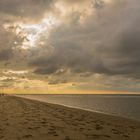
{"x":24,"y":119}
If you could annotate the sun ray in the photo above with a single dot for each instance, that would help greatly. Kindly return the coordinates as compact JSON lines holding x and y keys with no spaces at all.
{"x":32,"y":33}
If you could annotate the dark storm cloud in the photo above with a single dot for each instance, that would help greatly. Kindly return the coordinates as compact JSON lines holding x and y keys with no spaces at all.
{"x":5,"y":54}
{"x":7,"y":40}
{"x":108,"y":43}
{"x":25,"y":8}
{"x":46,"y":70}
{"x":71,"y":57}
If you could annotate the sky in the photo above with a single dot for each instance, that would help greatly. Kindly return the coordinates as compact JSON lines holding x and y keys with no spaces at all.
{"x":70,"y":46}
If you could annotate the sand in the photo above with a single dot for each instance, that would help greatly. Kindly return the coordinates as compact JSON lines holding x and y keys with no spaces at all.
{"x":24,"y":119}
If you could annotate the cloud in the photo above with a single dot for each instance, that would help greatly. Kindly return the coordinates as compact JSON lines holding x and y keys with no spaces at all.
{"x":6,"y":44}
{"x":25,"y":9}
{"x":92,"y":37}
{"x":5,"y":54}
{"x":107,"y":43}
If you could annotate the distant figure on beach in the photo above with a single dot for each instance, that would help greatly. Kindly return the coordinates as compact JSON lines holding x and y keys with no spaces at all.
{"x":2,"y":94}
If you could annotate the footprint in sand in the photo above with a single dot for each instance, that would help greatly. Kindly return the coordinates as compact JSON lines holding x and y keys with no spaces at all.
{"x":1,"y":137}
{"x":52,"y":132}
{"x":98,"y":127}
{"x":107,"y":136}
{"x":126,"y":136}
{"x":114,"y":131}
{"x":27,"y":136}
{"x":43,"y":122}
{"x":1,"y":133}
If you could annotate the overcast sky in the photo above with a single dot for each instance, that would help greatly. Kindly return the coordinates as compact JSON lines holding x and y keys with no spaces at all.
{"x":70,"y":46}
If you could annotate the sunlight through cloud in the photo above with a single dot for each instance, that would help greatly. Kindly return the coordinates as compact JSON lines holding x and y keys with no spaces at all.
{"x":32,"y":33}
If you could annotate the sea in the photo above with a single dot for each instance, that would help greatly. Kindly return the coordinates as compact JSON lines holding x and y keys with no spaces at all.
{"x":127,"y":106}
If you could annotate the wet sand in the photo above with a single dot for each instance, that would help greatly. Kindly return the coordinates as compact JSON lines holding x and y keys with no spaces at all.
{"x":24,"y":119}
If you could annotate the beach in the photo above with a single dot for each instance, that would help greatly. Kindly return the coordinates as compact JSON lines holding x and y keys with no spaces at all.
{"x":22,"y":119}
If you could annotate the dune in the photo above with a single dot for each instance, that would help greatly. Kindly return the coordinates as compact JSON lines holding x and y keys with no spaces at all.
{"x":22,"y":119}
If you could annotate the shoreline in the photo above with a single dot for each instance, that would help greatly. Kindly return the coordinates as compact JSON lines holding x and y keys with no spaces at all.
{"x":84,"y":109}
{"x":23,"y":119}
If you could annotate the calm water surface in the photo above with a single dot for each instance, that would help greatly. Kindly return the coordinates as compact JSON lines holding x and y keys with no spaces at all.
{"x":122,"y":105}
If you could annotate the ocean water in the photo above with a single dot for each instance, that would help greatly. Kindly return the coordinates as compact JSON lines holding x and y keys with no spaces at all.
{"x":127,"y":106}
